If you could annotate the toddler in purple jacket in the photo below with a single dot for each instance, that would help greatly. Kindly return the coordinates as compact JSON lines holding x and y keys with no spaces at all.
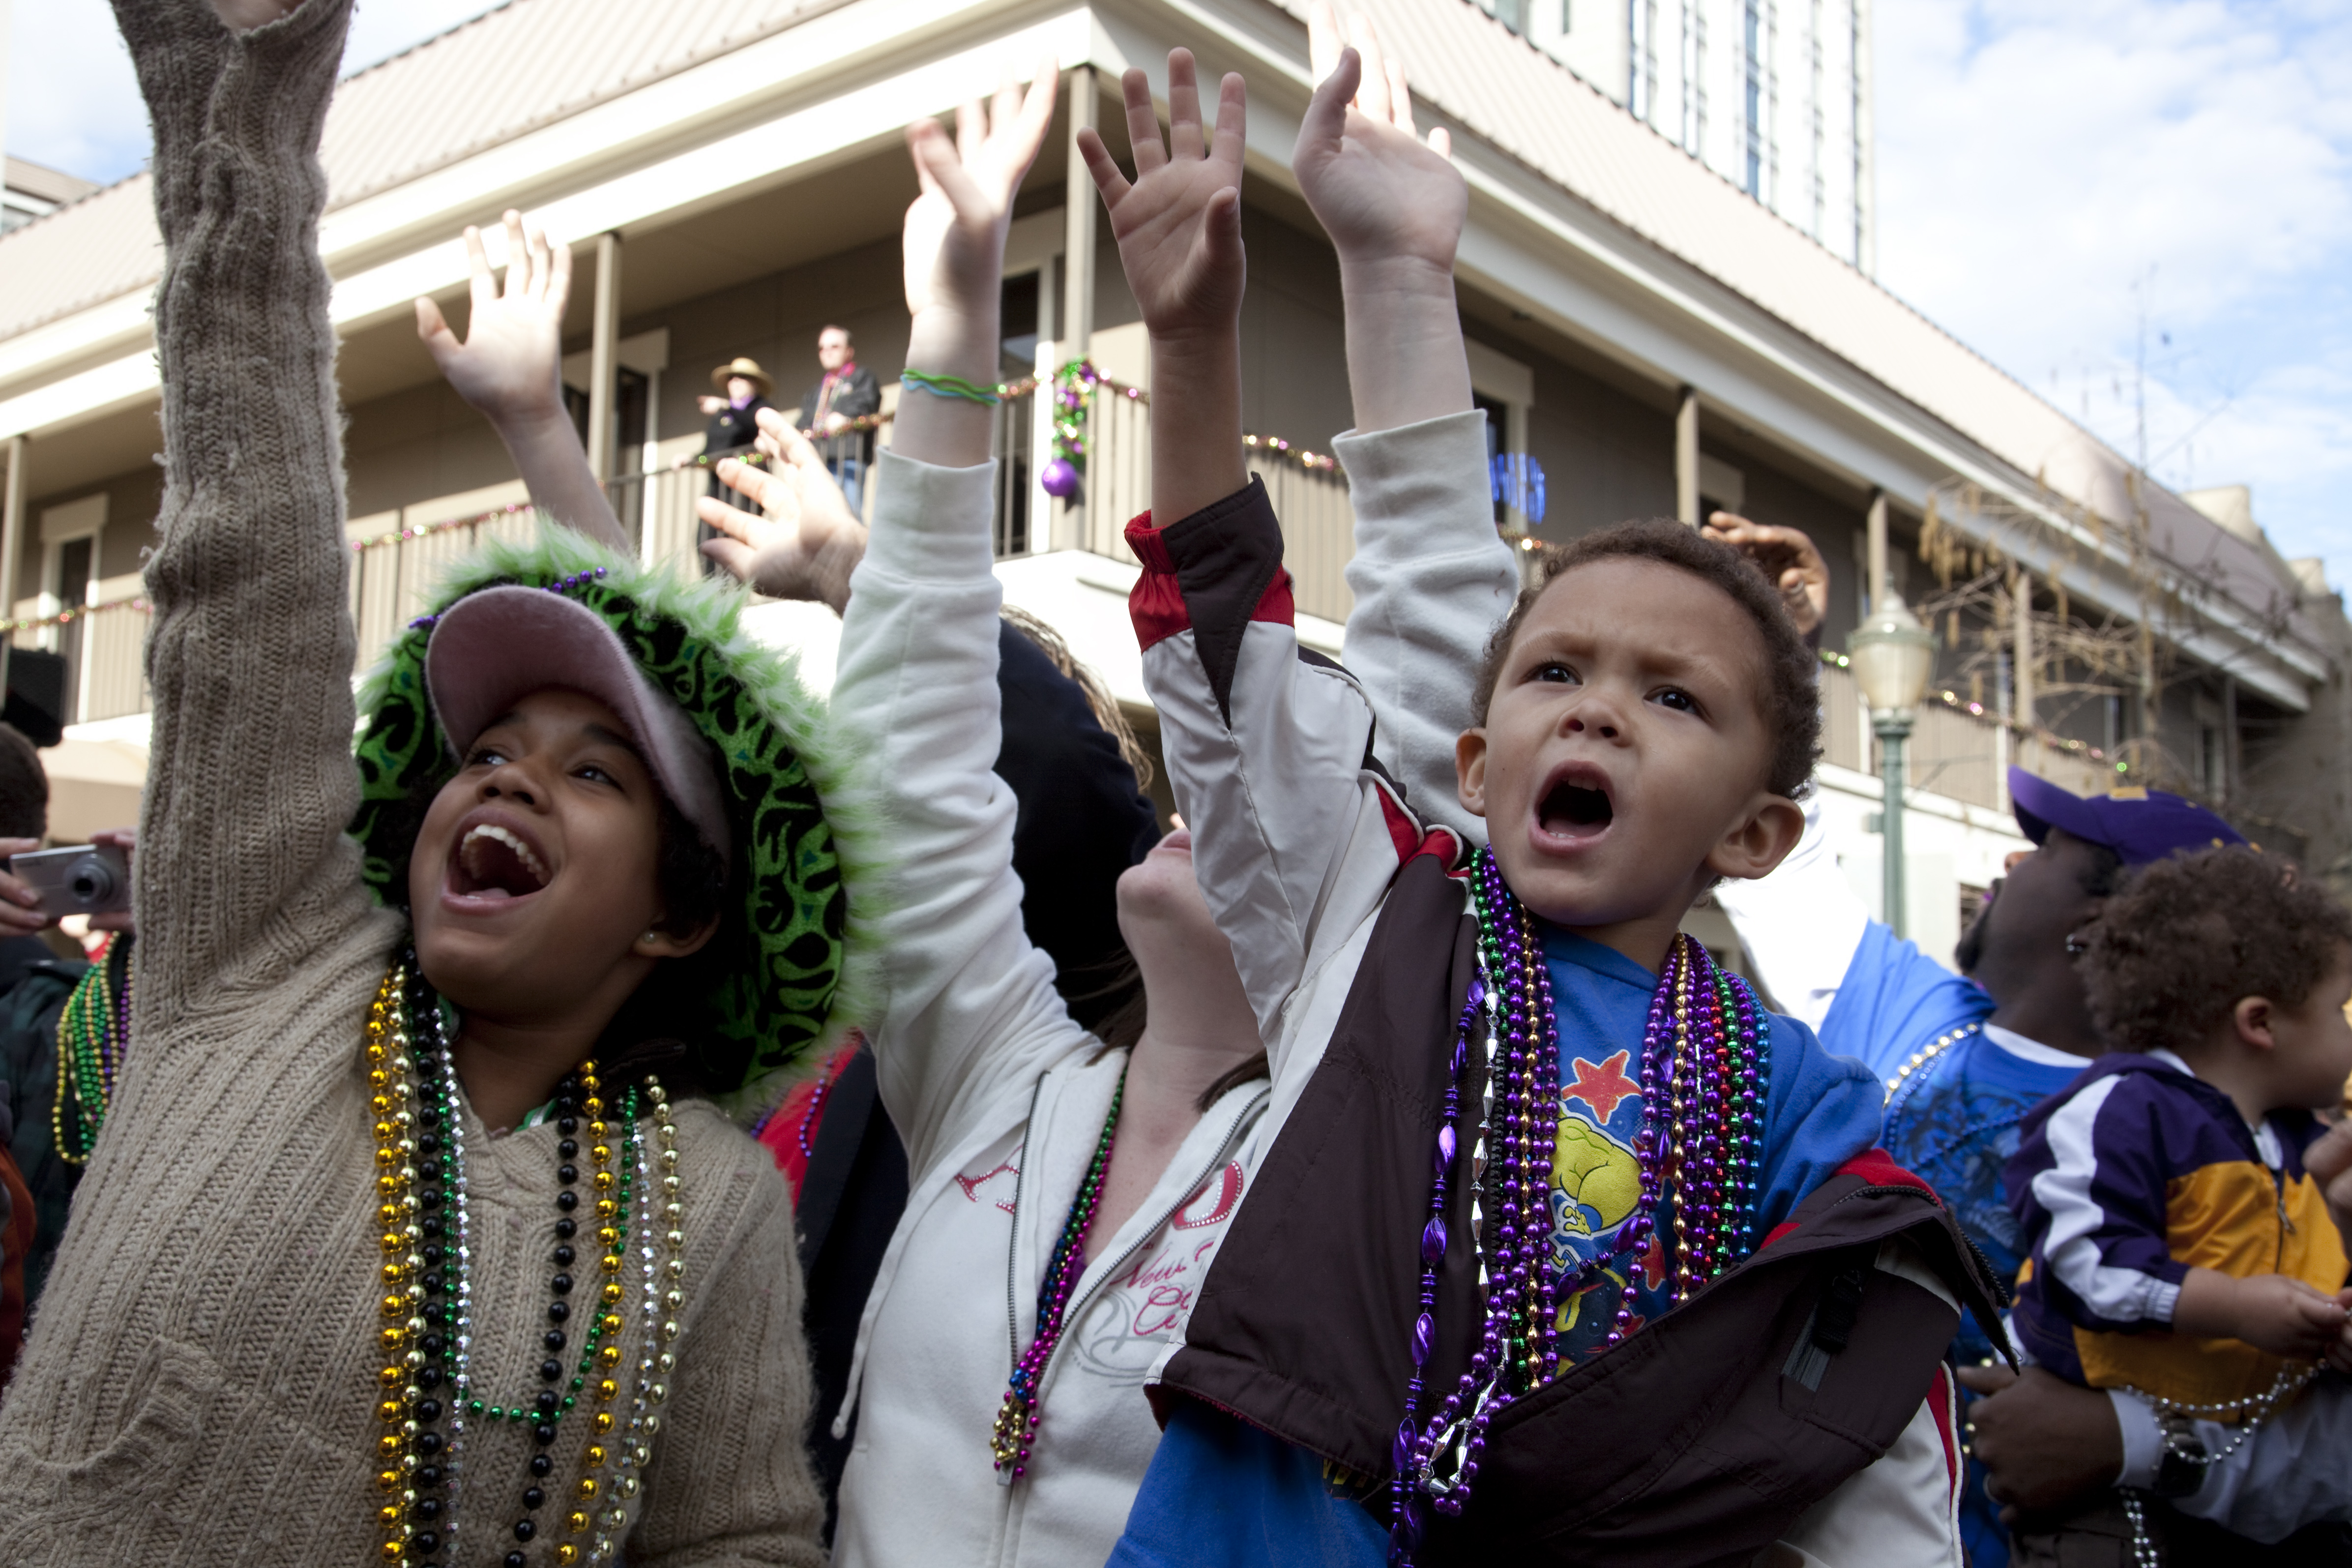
{"x":2179,"y":1248}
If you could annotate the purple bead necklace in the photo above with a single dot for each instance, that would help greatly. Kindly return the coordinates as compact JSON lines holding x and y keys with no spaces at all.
{"x":1018,"y":1417}
{"x":1702,"y":1059}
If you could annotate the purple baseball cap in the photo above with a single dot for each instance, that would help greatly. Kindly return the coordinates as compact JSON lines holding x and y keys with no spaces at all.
{"x":2138,"y":824}
{"x":493,"y":647}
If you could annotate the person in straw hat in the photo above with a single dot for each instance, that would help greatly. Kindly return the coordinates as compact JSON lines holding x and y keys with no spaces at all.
{"x":733,"y":410}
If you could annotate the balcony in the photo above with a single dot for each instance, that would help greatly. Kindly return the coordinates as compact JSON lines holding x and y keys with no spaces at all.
{"x":398,"y":556}
{"x":1962,"y":755}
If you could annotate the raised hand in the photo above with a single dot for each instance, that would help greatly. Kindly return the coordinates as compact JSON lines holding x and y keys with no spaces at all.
{"x":1178,"y":222}
{"x":510,"y":365}
{"x":1379,"y":191}
{"x":1394,"y":206}
{"x":1786,"y":556}
{"x":954,"y":244}
{"x":806,"y":543}
{"x":955,"y":230}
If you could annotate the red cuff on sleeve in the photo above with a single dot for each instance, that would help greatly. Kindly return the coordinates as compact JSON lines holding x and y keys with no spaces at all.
{"x":1149,"y":547}
{"x":1156,"y":604}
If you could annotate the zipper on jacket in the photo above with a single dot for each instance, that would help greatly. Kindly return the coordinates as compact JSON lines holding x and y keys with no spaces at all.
{"x":1013,"y":1250}
{"x":1079,"y":1310}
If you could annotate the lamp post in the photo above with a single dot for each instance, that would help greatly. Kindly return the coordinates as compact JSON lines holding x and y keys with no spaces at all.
{"x":1892,"y":656}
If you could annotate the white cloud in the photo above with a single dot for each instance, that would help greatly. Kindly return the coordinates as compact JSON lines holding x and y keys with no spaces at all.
{"x":2051,"y":174}
{"x":73,"y":103}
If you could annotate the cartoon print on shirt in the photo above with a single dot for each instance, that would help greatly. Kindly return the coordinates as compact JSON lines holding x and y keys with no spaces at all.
{"x":1596,"y":1186}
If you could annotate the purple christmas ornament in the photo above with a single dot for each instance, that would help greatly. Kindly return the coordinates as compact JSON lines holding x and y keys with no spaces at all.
{"x":1059,"y":479}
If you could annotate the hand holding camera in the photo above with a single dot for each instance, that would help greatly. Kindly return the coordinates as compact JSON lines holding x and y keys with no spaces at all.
{"x":43,"y":885}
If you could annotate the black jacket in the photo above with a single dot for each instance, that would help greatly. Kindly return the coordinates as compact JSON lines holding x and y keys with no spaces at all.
{"x":862,"y":395}
{"x":731,"y":429}
{"x":1724,"y":1420}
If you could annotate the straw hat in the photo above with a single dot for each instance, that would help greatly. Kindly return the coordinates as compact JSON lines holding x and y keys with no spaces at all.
{"x":748,"y":369}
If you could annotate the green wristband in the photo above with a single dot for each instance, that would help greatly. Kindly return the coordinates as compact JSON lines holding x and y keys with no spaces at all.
{"x":950,"y":386}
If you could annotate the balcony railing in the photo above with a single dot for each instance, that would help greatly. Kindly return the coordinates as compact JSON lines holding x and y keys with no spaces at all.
{"x":1318,"y":525}
{"x":1952,"y":751}
{"x":401,"y":557}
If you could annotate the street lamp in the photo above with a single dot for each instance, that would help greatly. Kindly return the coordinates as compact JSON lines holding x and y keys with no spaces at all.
{"x":1892,"y":656}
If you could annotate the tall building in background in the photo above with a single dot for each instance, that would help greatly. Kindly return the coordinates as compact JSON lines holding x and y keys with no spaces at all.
{"x":1773,"y":95}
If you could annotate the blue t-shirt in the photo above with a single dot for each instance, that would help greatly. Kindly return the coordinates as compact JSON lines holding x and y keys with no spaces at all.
{"x":1952,"y":1122}
{"x":1220,"y":1492}
{"x":1820,"y":1112}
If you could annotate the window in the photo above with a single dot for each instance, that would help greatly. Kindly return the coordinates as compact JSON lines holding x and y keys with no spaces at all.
{"x":1506,"y":389}
{"x":1019,"y":320}
{"x":1512,"y":14}
{"x":1754,"y":54}
{"x":69,"y":556}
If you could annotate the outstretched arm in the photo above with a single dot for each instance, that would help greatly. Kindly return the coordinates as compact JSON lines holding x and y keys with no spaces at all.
{"x":803,"y":542}
{"x":1266,"y":752}
{"x":509,"y":366}
{"x":969,"y":1011}
{"x":1430,"y":577}
{"x":1393,"y":206}
{"x":242,"y":867}
{"x":1179,"y":227}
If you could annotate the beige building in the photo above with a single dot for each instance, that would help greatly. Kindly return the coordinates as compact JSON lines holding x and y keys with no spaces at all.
{"x":1649,"y":337}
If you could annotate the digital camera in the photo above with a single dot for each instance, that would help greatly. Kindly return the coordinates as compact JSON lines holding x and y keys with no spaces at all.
{"x":83,"y":879}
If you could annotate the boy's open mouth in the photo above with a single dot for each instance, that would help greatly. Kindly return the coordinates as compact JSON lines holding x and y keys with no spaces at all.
{"x":493,"y":863}
{"x":1577,"y":806}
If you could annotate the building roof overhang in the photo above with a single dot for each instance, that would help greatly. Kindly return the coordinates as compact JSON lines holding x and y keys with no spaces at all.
{"x":631,"y":115}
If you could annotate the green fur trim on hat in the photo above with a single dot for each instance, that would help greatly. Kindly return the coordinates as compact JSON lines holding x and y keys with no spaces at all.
{"x":796,"y":827}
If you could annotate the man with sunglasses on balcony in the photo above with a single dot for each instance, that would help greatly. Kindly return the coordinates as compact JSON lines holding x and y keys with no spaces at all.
{"x":846,"y":391}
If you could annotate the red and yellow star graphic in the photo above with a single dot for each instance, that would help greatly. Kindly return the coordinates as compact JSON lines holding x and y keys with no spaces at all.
{"x":1601,"y":1088}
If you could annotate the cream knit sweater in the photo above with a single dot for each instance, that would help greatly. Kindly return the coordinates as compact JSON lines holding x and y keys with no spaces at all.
{"x":200,"y":1383}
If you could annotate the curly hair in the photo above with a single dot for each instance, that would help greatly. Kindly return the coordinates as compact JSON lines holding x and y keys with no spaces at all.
{"x":1787,"y":687}
{"x":2186,"y":939}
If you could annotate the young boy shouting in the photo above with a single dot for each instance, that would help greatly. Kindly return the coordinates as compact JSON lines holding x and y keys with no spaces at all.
{"x":2179,"y":1248}
{"x":1565,"y":1247}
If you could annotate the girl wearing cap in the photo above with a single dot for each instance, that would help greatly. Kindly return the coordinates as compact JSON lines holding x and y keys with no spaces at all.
{"x":408,"y":1239}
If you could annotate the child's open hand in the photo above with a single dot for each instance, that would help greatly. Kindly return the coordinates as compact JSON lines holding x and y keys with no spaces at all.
{"x":804,"y":543}
{"x":510,"y":365}
{"x":1379,"y":191}
{"x":1179,"y":223}
{"x":955,"y":230}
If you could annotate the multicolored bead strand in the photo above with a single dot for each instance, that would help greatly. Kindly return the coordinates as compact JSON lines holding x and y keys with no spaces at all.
{"x":408,"y":1406}
{"x":428,"y":1299}
{"x":1016,"y":1420}
{"x":93,"y":1030}
{"x":1704,"y":1078}
{"x":1433,"y":1252}
{"x":457,"y":1234}
{"x":607,"y":1507}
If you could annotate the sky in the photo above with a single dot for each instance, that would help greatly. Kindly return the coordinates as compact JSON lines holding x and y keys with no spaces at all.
{"x":2142,"y":209}
{"x":2141,"y":205}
